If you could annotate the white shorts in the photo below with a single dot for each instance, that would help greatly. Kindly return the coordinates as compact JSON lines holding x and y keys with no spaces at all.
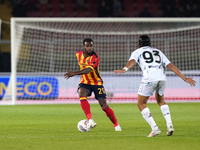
{"x":147,"y":89}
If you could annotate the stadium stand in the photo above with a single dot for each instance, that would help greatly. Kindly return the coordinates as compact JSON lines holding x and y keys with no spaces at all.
{"x":113,"y":8}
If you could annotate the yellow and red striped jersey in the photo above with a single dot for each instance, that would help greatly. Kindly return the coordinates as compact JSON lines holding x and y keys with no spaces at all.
{"x":93,"y":77}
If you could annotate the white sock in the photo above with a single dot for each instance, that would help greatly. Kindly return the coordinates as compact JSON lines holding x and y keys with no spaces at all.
{"x":166,"y":114}
{"x":91,"y":121}
{"x":149,"y":119}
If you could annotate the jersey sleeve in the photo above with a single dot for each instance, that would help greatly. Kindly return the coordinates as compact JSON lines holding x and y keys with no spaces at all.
{"x":165,"y":61}
{"x":134,"y":55}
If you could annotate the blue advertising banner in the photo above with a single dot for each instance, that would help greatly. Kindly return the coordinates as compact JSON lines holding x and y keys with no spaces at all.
{"x":3,"y":85}
{"x":32,"y":87}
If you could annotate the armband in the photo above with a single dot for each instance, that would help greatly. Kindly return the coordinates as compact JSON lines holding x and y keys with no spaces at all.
{"x":125,"y":68}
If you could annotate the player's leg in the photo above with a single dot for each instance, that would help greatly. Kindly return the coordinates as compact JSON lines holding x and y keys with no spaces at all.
{"x":110,"y":114}
{"x":163,"y":106}
{"x":100,"y":95}
{"x":144,"y":92}
{"x":84,"y":91}
{"x":142,"y":100}
{"x":165,"y":110}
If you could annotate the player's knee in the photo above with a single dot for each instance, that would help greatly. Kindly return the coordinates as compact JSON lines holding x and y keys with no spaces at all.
{"x":139,"y":103}
{"x":103,"y":103}
{"x":160,"y":103}
{"x":82,"y":92}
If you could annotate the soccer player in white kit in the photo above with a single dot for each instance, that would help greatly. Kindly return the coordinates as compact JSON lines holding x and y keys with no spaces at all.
{"x":151,"y":61}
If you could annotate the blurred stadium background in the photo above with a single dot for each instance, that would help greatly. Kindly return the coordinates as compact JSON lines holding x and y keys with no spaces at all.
{"x":99,"y":9}
{"x":87,"y":8}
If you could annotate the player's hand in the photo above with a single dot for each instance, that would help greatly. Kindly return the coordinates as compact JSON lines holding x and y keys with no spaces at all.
{"x":191,"y":81}
{"x":69,"y":74}
{"x":120,"y":71}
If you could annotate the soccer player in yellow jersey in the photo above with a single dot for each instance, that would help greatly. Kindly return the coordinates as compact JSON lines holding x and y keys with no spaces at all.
{"x":91,"y":82}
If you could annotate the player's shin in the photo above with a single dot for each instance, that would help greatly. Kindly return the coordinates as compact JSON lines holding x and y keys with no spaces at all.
{"x":166,"y":114}
{"x":85,"y":107}
{"x":149,"y":119}
{"x":110,"y":114}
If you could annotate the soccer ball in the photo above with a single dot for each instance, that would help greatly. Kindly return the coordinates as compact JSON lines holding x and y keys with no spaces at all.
{"x":83,"y":126}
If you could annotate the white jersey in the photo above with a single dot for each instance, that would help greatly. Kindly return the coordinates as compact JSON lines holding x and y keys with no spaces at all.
{"x":151,"y":61}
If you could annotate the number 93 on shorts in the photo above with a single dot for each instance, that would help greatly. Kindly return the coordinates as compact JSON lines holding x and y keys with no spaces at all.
{"x":98,"y":90}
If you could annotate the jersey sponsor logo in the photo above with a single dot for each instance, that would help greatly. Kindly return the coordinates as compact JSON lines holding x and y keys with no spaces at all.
{"x":83,"y":64}
{"x":154,"y":66}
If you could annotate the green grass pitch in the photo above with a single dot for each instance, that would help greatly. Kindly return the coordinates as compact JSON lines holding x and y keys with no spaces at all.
{"x":54,"y":127}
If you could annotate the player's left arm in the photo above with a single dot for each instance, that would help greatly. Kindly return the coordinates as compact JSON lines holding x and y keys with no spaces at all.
{"x":130,"y":64}
{"x":70,"y":74}
{"x":173,"y":68}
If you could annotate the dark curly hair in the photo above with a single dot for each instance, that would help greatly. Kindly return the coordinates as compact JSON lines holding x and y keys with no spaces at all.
{"x":87,"y":40}
{"x":144,"y":40}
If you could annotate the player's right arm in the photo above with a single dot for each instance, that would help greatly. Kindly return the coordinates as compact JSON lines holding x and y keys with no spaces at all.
{"x":130,"y":64}
{"x":70,"y":74}
{"x":176,"y":71}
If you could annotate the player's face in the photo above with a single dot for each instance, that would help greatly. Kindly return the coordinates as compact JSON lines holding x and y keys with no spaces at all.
{"x":88,"y":47}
